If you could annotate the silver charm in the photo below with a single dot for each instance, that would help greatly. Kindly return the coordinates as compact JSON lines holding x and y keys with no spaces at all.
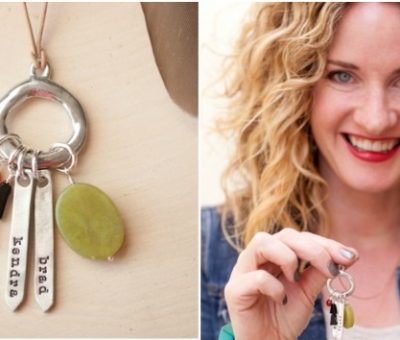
{"x":44,"y":241}
{"x":18,"y":244}
{"x":39,"y":86}
{"x":338,"y":304}
{"x":30,"y":170}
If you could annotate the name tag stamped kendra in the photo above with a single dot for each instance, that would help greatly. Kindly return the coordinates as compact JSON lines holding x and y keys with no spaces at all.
{"x":29,"y":195}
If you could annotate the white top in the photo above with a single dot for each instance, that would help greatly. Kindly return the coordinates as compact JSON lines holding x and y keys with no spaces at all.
{"x":364,"y":333}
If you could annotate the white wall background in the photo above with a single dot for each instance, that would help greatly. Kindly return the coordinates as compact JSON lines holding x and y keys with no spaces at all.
{"x":219,"y":28}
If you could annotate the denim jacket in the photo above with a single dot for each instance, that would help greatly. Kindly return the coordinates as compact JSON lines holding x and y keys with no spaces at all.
{"x":217,"y":261}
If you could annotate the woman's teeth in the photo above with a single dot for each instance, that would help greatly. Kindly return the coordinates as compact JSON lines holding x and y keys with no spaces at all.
{"x":373,"y":145}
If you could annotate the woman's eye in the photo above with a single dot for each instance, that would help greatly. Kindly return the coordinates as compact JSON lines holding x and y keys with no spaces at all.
{"x":341,"y":77}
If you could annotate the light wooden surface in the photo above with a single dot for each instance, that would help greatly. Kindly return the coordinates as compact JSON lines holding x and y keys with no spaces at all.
{"x":141,"y":151}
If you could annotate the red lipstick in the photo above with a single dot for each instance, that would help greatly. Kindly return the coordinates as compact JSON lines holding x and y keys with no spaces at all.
{"x":372,"y":156}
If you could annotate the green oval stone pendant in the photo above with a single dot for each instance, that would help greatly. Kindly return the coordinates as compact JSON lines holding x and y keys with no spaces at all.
{"x":89,"y":221}
{"x":348,"y":316}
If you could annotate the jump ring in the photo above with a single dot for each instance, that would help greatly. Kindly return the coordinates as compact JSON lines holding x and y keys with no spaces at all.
{"x":15,"y":154}
{"x":74,"y":157}
{"x":20,"y":163}
{"x":8,"y":136}
{"x":34,"y":165}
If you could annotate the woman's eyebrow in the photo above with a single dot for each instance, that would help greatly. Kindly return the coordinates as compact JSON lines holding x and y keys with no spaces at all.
{"x":352,"y":66}
{"x":343,"y":64}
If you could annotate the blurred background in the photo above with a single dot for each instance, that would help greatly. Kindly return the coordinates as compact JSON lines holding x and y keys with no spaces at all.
{"x":219,"y":28}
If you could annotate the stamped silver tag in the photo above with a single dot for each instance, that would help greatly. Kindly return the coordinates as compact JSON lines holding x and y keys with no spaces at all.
{"x":44,"y":241}
{"x":337,"y":330}
{"x":18,"y":244}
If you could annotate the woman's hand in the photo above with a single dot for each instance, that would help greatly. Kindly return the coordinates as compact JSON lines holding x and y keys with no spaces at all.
{"x":267,"y":296}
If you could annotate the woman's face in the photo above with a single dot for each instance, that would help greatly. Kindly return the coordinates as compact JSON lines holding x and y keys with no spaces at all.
{"x":355,"y":117}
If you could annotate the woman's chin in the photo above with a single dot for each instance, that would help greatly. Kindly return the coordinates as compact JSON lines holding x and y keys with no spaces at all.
{"x":365,"y":183}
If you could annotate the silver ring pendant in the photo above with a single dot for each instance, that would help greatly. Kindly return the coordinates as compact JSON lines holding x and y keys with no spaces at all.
{"x":333,"y":291}
{"x":39,"y":86}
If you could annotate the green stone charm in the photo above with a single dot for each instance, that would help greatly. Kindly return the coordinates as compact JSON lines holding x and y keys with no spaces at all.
{"x":348,"y":316}
{"x":89,"y":221}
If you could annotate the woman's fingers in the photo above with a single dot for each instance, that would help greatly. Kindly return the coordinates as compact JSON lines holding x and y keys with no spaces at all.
{"x":240,"y":290}
{"x":308,"y":249}
{"x":266,"y":276}
{"x":340,"y":253}
{"x":265,"y":248}
{"x":311,"y":282}
{"x":284,"y":248}
{"x":323,"y":253}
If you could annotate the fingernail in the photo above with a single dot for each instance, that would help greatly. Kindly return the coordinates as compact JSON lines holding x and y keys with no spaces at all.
{"x":303,"y":266}
{"x":348,"y":254}
{"x":333,"y":268}
{"x":285,"y":300}
{"x":296,"y":275}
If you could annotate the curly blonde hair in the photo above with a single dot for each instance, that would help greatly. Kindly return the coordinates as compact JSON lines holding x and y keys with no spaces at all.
{"x":280,"y":54}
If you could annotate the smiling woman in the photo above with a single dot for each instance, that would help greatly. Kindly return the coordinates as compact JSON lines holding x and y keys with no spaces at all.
{"x":355,"y":115}
{"x":314,"y":92}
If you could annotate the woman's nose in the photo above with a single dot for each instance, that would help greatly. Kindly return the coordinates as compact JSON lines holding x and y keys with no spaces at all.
{"x":375,"y":115}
